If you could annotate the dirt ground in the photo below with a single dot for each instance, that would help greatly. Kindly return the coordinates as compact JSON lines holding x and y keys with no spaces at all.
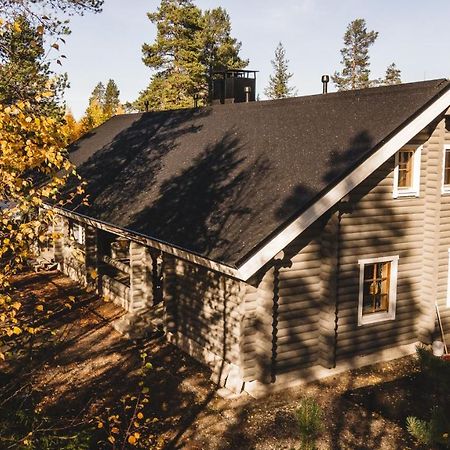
{"x":88,"y":365}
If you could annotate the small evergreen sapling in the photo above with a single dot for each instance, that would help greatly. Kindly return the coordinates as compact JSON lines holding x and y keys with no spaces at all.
{"x":393,"y":75}
{"x":310,"y":422}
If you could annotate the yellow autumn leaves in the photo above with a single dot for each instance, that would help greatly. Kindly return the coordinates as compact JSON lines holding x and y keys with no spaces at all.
{"x":33,"y":167}
{"x":129,"y":424}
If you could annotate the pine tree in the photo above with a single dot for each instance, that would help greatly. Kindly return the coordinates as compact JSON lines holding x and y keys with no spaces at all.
{"x":219,"y":50}
{"x":189,"y":46}
{"x":355,"y":57}
{"x":111,"y":100}
{"x":279,"y":82}
{"x":24,"y":72}
{"x":103,"y":104}
{"x":393,"y":75}
{"x":94,"y":115}
{"x":173,"y":55}
{"x":98,"y":93}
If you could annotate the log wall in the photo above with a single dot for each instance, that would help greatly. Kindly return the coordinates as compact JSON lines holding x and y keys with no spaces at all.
{"x":202,"y":311}
{"x":305,"y":312}
{"x":301,"y":310}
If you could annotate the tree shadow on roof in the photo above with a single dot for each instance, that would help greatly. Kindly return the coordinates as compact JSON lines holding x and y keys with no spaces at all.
{"x":338,"y":163}
{"x":128,"y":165}
{"x":196,"y":206}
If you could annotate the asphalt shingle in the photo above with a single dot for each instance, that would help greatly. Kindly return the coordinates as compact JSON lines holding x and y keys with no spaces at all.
{"x":219,"y":181}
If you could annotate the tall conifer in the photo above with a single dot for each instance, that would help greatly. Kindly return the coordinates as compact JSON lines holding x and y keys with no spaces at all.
{"x":111,"y":101}
{"x":189,"y":46}
{"x":103,"y":104}
{"x":279,"y":82}
{"x":355,"y":57}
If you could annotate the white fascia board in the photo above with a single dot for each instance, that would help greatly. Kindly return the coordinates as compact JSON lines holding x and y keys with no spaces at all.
{"x":162,"y":246}
{"x":321,"y":206}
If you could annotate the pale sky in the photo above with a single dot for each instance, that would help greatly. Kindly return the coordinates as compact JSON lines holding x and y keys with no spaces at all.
{"x":412,"y":33}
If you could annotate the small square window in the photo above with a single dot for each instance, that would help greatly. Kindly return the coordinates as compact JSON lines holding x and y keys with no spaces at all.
{"x":377,"y":289}
{"x":407,"y":173}
{"x":446,"y":171}
{"x":76,"y":232}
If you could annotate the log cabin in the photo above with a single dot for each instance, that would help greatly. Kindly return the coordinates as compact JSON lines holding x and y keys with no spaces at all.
{"x":276,"y":241}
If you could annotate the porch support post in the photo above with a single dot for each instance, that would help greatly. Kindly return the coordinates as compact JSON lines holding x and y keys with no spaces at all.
{"x":91,"y":248}
{"x":141,"y":280}
{"x":58,"y":240}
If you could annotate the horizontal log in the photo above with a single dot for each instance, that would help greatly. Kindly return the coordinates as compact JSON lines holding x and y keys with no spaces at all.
{"x":297,"y":350}
{"x":305,"y":255}
{"x":364,"y":217}
{"x":352,"y":254}
{"x":299,"y":266}
{"x":351,"y":329}
{"x":123,"y":267}
{"x":289,"y":365}
{"x":292,"y":319}
{"x":360,"y":349}
{"x":307,"y":340}
{"x":366,"y":342}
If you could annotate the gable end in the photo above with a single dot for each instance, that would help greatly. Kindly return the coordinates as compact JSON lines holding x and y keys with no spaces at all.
{"x":333,"y":196}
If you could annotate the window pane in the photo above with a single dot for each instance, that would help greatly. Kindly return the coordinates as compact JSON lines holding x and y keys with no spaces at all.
{"x":447,"y":167}
{"x":367,"y":299}
{"x":368,"y":272}
{"x":376,"y":287}
{"x":405,"y":168}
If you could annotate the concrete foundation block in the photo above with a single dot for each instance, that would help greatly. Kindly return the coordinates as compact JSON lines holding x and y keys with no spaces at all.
{"x":234,"y":381}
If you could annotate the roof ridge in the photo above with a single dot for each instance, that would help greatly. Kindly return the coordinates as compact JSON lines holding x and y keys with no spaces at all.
{"x":439,"y":83}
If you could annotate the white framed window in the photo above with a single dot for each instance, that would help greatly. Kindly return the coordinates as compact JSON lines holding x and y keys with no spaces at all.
{"x":407,"y":172}
{"x":377,"y":289}
{"x":448,"y":280}
{"x":446,"y":170}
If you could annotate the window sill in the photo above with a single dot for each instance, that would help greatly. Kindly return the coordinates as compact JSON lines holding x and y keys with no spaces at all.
{"x":375,"y":318}
{"x":445,"y":190}
{"x":407,"y":194}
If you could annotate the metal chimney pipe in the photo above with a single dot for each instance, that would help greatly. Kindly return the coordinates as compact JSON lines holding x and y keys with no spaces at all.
{"x":247,"y":91}
{"x":325,"y":80}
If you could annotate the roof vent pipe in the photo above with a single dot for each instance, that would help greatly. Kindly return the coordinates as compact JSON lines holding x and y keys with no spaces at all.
{"x":247,"y":91}
{"x":325,"y":80}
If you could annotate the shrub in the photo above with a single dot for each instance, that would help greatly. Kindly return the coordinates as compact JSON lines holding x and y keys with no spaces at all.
{"x":432,"y":432}
{"x":437,"y":369}
{"x":310,"y":422}
{"x":436,"y":430}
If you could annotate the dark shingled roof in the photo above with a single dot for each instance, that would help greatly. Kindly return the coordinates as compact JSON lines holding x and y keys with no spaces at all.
{"x":219,"y":181}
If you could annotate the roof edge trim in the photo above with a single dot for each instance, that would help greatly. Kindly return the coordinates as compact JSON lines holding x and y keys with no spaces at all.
{"x":141,"y":239}
{"x":333,"y":196}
